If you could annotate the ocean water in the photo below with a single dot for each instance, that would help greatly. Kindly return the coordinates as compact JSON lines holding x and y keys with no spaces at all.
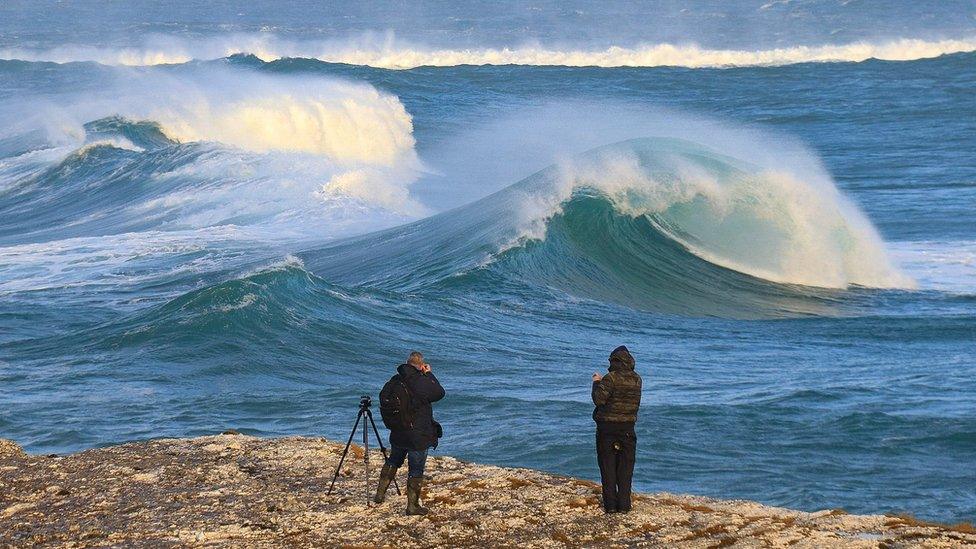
{"x":220,"y":217}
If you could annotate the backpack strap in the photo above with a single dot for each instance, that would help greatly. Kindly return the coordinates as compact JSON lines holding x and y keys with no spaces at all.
{"x":406,"y":388}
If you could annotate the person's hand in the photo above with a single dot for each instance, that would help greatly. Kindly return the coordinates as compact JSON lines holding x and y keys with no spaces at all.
{"x":425,"y":368}
{"x":597,"y":377}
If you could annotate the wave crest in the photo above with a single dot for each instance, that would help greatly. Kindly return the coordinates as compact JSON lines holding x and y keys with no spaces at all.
{"x":774,"y":225}
{"x":393,"y":54}
{"x":345,"y":122}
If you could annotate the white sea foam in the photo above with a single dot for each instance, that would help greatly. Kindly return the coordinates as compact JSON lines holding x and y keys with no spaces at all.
{"x":16,"y":170}
{"x":120,"y":261}
{"x":246,"y":301}
{"x":116,"y":142}
{"x":944,"y":266}
{"x":395,"y":54}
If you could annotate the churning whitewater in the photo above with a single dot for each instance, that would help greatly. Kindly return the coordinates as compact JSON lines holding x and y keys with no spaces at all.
{"x":213,"y":220}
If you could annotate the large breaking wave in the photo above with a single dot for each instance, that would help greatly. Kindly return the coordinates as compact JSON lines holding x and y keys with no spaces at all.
{"x":657,"y":224}
{"x":778,"y":226}
{"x":160,"y":175}
{"x":393,"y":54}
{"x":205,"y":148}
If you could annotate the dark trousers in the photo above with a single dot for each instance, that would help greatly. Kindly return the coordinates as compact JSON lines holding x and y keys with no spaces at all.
{"x":416,"y":460}
{"x":616,"y":452}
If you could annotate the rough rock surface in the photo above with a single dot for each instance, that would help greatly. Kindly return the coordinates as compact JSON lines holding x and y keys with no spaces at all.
{"x":240,"y":491}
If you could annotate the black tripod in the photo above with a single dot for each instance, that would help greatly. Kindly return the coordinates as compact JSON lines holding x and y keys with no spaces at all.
{"x":364,"y":415}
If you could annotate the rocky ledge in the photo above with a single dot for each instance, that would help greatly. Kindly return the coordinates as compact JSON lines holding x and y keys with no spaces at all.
{"x":239,"y":491}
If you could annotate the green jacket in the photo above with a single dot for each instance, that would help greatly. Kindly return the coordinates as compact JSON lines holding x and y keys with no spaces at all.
{"x":617,"y":396}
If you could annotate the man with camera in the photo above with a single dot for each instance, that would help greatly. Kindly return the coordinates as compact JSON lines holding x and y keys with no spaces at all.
{"x":617,"y":398}
{"x":405,"y":404}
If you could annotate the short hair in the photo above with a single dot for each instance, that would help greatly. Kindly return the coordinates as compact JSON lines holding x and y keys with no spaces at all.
{"x":416,"y":359}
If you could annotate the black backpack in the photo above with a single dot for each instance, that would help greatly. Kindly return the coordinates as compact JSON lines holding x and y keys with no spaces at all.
{"x":396,"y":405}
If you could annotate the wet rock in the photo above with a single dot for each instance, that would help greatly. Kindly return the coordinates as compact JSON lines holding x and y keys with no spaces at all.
{"x":233,"y":490}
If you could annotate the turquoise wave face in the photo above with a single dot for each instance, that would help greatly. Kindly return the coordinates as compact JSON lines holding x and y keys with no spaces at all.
{"x":175,"y":275}
{"x":593,"y":251}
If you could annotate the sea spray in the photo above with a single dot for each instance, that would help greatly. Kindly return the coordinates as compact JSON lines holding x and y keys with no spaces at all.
{"x":399,"y":54}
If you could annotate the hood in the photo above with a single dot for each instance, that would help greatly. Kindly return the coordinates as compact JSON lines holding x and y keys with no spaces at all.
{"x":621,"y":359}
{"x":406,"y":370}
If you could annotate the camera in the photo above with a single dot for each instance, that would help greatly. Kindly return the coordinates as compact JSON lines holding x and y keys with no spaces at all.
{"x":365,"y":401}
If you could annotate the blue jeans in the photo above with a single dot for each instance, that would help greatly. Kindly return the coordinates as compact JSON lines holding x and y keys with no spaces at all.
{"x":416,"y":460}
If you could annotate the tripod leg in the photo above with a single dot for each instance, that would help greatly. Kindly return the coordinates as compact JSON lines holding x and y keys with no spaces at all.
{"x":369,"y":415}
{"x":366,"y":459}
{"x":344,"y":452}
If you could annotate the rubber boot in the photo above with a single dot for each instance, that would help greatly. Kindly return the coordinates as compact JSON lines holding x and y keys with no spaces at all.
{"x":386,"y":477}
{"x":413,"y":496}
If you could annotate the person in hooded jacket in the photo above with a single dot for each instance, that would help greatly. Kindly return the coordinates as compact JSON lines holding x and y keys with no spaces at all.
{"x":617,"y":398}
{"x":413,"y":444}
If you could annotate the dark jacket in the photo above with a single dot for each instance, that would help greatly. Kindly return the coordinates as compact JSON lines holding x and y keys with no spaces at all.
{"x":424,"y":389}
{"x":617,"y":396}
